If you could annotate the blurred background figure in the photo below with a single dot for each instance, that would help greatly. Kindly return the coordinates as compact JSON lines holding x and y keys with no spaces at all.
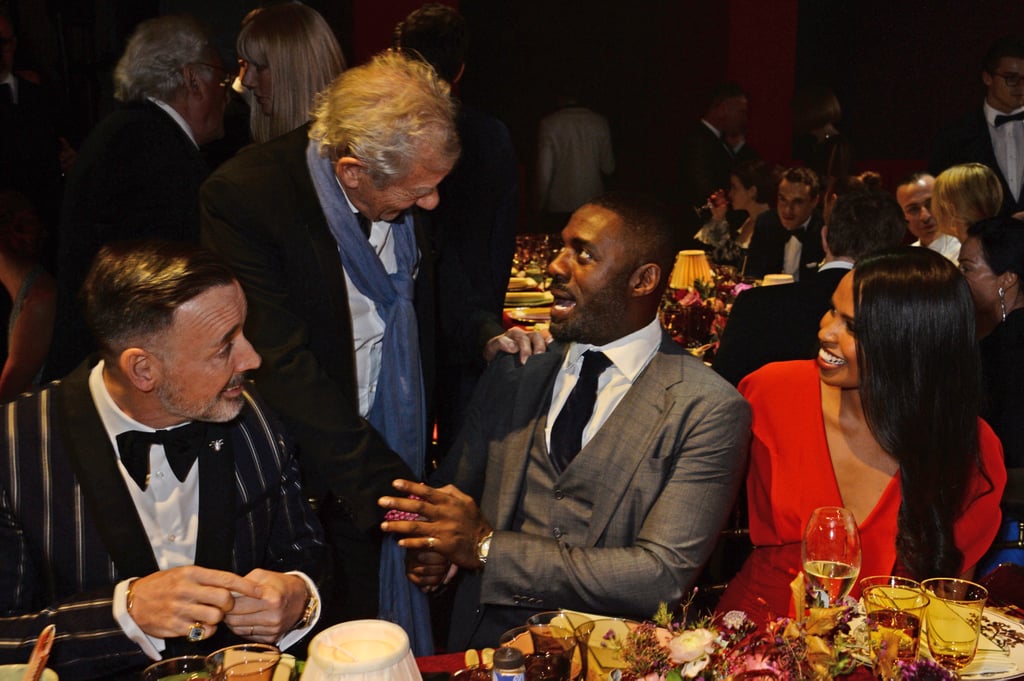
{"x":816,"y":139}
{"x":963,"y":195}
{"x":33,"y":156}
{"x":869,"y":180}
{"x":992,"y":261}
{"x":914,"y":195}
{"x":287,"y":54}
{"x":474,"y":224}
{"x":712,"y":148}
{"x":138,"y":172}
{"x":752,"y":187}
{"x":993,"y":133}
{"x":32,"y":291}
{"x":574,"y":158}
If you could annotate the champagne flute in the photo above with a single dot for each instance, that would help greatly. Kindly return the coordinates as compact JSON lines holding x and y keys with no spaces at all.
{"x":831,"y":556}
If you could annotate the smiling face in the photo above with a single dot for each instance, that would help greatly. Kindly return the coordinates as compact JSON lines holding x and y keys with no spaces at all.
{"x":916,"y":201}
{"x":795,"y":203}
{"x":837,"y":341}
{"x":203,"y":358}
{"x":1001,"y":96}
{"x":591,"y":282}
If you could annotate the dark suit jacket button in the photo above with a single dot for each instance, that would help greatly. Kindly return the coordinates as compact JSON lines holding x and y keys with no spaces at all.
{"x":557,"y":532}
{"x":559,"y":494}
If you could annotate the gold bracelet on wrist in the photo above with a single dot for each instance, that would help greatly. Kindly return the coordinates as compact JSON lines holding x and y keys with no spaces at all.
{"x":129,"y":601}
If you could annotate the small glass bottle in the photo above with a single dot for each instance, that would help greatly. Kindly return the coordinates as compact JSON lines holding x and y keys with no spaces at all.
{"x":509,"y":665}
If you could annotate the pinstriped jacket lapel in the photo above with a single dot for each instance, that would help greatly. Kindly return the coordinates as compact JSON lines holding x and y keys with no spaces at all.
{"x":94,"y":461}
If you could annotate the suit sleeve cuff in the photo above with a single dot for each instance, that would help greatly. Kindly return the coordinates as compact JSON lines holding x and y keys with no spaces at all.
{"x":295,"y":635}
{"x":152,"y":647}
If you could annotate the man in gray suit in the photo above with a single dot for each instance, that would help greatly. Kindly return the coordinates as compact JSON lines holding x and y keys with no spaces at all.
{"x":612,"y":516}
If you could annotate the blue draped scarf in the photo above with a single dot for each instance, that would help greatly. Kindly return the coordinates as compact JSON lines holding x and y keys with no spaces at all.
{"x":399,"y":411}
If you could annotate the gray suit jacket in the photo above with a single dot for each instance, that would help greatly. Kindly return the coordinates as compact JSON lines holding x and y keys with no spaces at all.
{"x":640,"y":507}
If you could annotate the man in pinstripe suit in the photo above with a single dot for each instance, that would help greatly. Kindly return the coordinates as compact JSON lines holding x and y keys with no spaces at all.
{"x":134,"y":558}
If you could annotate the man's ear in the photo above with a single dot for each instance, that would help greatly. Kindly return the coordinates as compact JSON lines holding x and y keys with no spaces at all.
{"x":645,"y":279}
{"x":140,"y":367}
{"x":191,"y":75}
{"x":350,"y":171}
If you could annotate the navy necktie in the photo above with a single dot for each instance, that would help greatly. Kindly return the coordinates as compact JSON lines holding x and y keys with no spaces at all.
{"x":567,"y":433}
{"x":181,"y":446}
{"x":1006,"y":118}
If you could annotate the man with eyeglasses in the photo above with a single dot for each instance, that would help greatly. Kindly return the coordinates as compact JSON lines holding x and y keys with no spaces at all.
{"x":993,"y":134}
{"x":914,"y":194}
{"x":138,"y":173}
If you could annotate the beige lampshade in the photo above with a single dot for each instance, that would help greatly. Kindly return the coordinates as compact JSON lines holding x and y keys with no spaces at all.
{"x":691,"y":266}
{"x":361,"y":650}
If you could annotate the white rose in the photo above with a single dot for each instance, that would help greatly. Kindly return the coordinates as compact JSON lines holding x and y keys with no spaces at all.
{"x":691,"y":645}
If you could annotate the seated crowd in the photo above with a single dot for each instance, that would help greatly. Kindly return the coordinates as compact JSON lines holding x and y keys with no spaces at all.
{"x":238,"y":447}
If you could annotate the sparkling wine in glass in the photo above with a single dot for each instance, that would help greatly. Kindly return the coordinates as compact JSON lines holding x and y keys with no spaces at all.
{"x":831,"y":556}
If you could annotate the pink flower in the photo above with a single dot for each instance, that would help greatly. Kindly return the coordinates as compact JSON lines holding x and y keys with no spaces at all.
{"x":740,"y":288}
{"x":690,"y":297}
{"x":691,"y":645}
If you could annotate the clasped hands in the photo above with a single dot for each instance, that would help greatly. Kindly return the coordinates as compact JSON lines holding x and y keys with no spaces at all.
{"x":448,"y":533}
{"x":261,"y":606}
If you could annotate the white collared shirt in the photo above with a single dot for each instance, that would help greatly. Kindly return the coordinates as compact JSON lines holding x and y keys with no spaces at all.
{"x":367,"y":324}
{"x":630,"y":355}
{"x":173,"y":113}
{"x":13,"y":83}
{"x":794,"y":249}
{"x":1008,"y":145}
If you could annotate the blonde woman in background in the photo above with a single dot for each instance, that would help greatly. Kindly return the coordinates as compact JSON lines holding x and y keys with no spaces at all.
{"x":963,"y":195}
{"x":287,"y":55}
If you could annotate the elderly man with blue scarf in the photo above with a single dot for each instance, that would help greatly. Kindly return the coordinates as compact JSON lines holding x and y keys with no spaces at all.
{"x":322,"y":226}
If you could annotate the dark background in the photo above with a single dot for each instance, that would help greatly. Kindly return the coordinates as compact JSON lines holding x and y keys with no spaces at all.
{"x":901,"y":68}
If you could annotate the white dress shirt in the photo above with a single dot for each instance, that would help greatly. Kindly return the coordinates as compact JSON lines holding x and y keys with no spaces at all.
{"x":12,"y":82}
{"x":169,"y":511}
{"x":792,"y":252}
{"x":630,"y":355}
{"x":945,"y":244}
{"x":1008,"y":145}
{"x":367,"y":324}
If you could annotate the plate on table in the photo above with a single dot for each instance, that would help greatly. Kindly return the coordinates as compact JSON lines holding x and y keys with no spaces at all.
{"x":521,"y":283}
{"x":528,"y":298}
{"x":529,"y":315}
{"x":1000,"y":649}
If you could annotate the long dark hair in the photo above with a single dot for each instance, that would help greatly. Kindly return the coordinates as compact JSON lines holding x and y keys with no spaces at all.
{"x":920,"y":388}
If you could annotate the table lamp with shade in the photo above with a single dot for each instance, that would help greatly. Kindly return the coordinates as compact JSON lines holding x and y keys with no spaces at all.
{"x":690,"y":267}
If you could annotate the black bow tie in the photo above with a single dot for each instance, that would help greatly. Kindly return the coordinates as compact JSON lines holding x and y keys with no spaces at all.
{"x":181,"y":445}
{"x":1006,"y":118}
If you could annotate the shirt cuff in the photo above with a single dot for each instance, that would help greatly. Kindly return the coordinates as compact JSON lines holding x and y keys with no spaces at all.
{"x":152,"y":647}
{"x":295,"y":635}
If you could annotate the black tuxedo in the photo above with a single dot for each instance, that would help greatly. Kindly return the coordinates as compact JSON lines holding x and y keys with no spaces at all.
{"x":705,"y":165}
{"x":137,"y":176}
{"x":261,"y":212}
{"x":965,"y":141}
{"x":775,"y":324}
{"x":69,"y":530}
{"x":768,"y":246}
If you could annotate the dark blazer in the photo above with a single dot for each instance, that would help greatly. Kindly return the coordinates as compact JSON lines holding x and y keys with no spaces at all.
{"x":967,"y":141}
{"x":69,"y":530}
{"x":704,"y":165}
{"x":137,"y":176}
{"x":261,"y":212}
{"x":636,"y":513}
{"x":766,"y":254}
{"x":774,"y":324}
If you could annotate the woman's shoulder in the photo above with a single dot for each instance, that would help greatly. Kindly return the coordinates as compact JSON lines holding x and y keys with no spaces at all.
{"x":780,"y":377}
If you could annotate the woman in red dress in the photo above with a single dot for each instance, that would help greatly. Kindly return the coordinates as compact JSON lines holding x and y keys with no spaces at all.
{"x":884,"y":422}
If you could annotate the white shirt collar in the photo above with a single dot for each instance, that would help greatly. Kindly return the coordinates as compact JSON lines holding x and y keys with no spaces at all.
{"x":836,"y":265}
{"x":115,"y":421}
{"x":173,"y":113}
{"x":630,"y":354}
{"x":718,"y":133}
{"x":990,"y":113}
{"x":13,"y":83}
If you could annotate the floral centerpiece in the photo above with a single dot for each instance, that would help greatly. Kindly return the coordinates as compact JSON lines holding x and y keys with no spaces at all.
{"x":696,"y":315}
{"x":728,"y":646}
